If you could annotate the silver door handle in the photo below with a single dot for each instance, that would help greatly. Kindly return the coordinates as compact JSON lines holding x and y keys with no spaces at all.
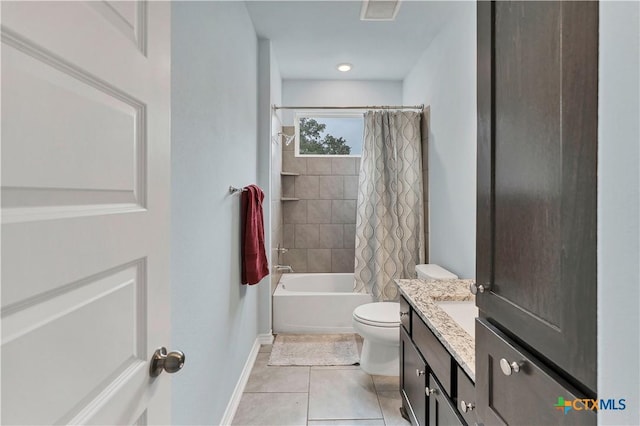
{"x":163,"y":361}
{"x":478,"y":288}
{"x":466,"y":406}
{"x":509,"y":368}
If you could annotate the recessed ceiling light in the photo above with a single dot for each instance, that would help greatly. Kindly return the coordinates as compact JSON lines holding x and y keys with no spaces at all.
{"x":379,"y":10}
{"x":344,"y":67}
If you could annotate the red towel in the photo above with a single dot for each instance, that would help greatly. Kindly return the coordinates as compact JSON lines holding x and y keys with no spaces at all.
{"x":254,"y":257}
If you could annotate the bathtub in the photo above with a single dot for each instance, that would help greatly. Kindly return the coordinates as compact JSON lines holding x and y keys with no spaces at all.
{"x":315,"y":303}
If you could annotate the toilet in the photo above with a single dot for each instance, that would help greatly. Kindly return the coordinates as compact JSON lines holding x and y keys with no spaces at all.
{"x":379,"y":325}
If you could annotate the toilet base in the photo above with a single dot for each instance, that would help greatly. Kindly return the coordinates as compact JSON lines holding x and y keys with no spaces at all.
{"x":379,"y":359}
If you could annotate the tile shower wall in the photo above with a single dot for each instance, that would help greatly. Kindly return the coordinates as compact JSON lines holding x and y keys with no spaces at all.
{"x":276,"y":215}
{"x":319,"y":227}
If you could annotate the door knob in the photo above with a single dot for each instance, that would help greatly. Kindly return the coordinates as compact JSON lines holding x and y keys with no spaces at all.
{"x":466,"y":406}
{"x":509,"y":368}
{"x":478,"y":288}
{"x":419,"y":372}
{"x":430,"y":391}
{"x":404,"y":314}
{"x":163,"y":361}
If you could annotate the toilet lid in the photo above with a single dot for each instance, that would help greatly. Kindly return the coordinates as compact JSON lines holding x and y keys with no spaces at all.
{"x":379,"y":314}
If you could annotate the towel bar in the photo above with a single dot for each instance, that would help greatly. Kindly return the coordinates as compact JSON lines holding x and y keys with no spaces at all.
{"x":234,"y":190}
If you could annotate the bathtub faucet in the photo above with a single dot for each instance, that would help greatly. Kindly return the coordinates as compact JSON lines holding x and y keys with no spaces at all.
{"x":286,"y":268}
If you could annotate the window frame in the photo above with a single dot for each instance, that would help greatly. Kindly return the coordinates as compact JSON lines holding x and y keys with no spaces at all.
{"x":323,"y":114}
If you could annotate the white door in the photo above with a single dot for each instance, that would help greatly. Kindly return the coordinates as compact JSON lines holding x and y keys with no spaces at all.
{"x":85,"y":211}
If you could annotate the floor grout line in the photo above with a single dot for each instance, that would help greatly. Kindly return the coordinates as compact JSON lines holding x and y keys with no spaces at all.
{"x":308,"y":396}
{"x":382,"y":384}
{"x":375,"y":388}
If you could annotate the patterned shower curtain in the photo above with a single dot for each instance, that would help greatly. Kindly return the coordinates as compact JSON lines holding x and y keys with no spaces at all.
{"x":390,"y":214}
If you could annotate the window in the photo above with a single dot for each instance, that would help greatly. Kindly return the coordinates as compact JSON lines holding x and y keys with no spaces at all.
{"x":329,"y":134}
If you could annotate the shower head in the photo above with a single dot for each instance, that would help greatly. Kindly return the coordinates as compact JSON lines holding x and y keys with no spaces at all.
{"x":287,"y":138}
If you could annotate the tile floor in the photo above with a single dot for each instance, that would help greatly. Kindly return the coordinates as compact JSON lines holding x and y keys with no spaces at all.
{"x":316,"y":396}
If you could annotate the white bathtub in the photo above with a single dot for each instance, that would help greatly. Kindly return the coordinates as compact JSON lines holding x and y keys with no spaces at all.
{"x":315,"y":303}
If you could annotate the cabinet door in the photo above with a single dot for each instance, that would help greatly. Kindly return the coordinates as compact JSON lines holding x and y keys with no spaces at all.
{"x":405,"y":315}
{"x":513,"y":389}
{"x":413,"y":380}
{"x":537,"y":152}
{"x":466,"y":399}
{"x":441,"y":410}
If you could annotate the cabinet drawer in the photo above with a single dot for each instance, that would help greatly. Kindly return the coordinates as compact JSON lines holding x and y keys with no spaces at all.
{"x":518,"y":397}
{"x":405,"y":314}
{"x":413,"y":380}
{"x":466,"y":395}
{"x":432,"y":350}
{"x":441,"y":410}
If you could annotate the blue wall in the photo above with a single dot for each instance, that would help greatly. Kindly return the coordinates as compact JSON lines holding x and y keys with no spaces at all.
{"x":444,"y":79}
{"x":215,"y":319}
{"x":619,"y":210}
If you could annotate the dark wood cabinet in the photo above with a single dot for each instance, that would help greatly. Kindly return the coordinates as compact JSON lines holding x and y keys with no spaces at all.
{"x":466,"y":399}
{"x":537,"y":163}
{"x":405,"y":315}
{"x":536,"y":218}
{"x":441,"y":409}
{"x":527,"y":394}
{"x":413,"y":380}
{"x":436,"y":356}
{"x":430,"y":377}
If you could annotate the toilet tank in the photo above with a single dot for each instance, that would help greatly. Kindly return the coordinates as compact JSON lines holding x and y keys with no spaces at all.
{"x":432,"y":271}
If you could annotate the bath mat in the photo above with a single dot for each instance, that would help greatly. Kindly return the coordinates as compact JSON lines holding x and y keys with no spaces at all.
{"x":314,"y":349}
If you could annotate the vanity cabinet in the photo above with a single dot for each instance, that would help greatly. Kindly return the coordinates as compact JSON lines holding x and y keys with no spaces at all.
{"x":405,"y":315}
{"x":428,"y":376}
{"x":412,"y":380}
{"x":466,"y":401}
{"x":442,"y":412}
{"x":513,"y":388}
{"x":436,"y":356}
{"x":536,"y":209}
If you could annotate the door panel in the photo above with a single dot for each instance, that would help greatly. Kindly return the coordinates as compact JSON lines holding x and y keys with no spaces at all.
{"x":85,"y":211}
{"x":441,"y":411}
{"x":50,"y":338}
{"x":97,"y":126}
{"x":435,"y":354}
{"x":128,"y":17}
{"x":528,"y":160}
{"x":413,"y":385}
{"x":500,"y":396}
{"x":537,"y":150}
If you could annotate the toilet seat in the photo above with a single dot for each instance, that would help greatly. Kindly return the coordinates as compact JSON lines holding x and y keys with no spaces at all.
{"x":379,"y":314}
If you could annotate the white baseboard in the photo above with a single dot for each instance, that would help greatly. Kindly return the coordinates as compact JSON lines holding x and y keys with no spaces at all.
{"x":234,"y":401}
{"x":265,"y":339}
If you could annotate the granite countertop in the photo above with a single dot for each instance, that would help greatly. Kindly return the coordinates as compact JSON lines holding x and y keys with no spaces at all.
{"x":423,"y":297}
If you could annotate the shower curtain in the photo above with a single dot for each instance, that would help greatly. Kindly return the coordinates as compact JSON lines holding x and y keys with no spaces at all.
{"x":390,"y":213}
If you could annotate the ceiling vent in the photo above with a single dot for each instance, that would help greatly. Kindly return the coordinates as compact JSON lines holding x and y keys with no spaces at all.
{"x":379,"y":10}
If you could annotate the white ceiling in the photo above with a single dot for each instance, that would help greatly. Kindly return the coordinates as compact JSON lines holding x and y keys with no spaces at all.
{"x":309,"y":38}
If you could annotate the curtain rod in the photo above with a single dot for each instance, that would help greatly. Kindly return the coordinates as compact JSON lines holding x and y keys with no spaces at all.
{"x":421,"y":106}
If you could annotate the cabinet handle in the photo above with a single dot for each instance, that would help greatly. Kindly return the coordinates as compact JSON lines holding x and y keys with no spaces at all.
{"x":478,"y":288}
{"x":419,"y":372}
{"x":429,"y":392}
{"x":509,"y":368}
{"x":466,"y":406}
{"x":404,"y":314}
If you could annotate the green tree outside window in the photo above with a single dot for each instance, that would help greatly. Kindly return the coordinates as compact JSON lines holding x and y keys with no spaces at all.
{"x":312,"y":142}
